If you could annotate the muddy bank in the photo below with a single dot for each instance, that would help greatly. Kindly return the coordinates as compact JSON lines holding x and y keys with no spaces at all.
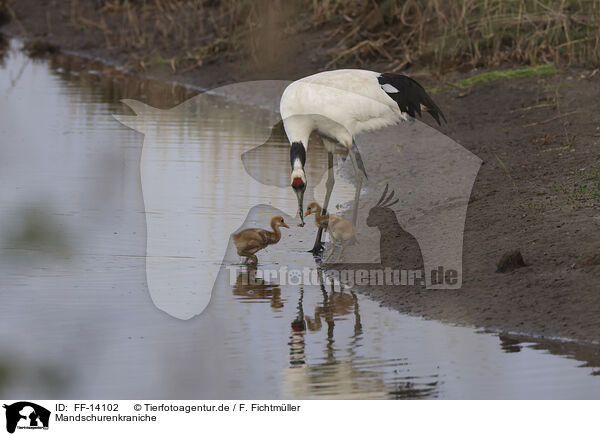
{"x":537,"y":192}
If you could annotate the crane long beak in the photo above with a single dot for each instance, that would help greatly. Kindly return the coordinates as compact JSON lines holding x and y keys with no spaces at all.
{"x":300,"y":195}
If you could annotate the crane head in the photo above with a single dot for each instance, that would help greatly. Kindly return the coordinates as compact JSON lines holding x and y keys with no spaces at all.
{"x":298,"y":181}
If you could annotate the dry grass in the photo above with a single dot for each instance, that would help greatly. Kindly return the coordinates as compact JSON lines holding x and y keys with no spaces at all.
{"x":432,"y":34}
{"x":471,"y":33}
{"x":182,"y":34}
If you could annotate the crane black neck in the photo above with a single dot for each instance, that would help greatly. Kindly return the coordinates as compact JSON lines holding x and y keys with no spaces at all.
{"x":297,"y":152}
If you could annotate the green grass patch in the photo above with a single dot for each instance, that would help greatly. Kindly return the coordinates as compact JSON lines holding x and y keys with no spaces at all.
{"x":581,"y":190}
{"x":516,"y":73}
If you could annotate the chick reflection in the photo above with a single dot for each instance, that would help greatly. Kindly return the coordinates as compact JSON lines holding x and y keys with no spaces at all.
{"x":334,"y":304}
{"x":248,"y":287}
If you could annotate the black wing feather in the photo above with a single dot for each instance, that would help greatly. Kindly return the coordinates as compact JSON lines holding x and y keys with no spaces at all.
{"x":410,"y":95}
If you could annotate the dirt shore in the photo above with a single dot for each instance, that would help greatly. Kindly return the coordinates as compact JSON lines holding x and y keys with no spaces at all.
{"x":538,"y":192}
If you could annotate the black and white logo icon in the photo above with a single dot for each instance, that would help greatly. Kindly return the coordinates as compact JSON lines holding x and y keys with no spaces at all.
{"x":26,"y":415}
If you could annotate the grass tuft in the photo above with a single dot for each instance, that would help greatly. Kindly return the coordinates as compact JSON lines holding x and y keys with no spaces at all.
{"x":37,"y":48}
{"x":516,"y":73}
{"x":580,"y":190}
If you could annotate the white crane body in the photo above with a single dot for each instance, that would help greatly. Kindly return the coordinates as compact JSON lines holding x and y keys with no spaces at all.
{"x":340,"y":104}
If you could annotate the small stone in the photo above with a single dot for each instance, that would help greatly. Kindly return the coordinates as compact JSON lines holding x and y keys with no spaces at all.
{"x":510,"y":261}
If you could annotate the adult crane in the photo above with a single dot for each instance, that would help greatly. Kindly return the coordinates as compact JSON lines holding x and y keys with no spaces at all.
{"x":338,"y":105}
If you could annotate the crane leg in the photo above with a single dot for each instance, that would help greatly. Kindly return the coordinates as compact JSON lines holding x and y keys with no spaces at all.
{"x":318,"y":246}
{"x":359,"y":177}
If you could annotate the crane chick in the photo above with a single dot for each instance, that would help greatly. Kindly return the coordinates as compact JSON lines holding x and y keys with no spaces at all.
{"x":249,"y":241}
{"x":340,"y":229}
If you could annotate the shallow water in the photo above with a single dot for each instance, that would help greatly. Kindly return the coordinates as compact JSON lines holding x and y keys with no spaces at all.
{"x":77,"y":320}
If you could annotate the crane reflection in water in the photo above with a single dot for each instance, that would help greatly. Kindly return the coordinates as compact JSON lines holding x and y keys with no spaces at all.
{"x":323,"y":367}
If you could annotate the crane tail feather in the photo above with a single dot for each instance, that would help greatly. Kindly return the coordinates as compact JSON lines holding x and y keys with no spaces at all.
{"x":409,"y":95}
